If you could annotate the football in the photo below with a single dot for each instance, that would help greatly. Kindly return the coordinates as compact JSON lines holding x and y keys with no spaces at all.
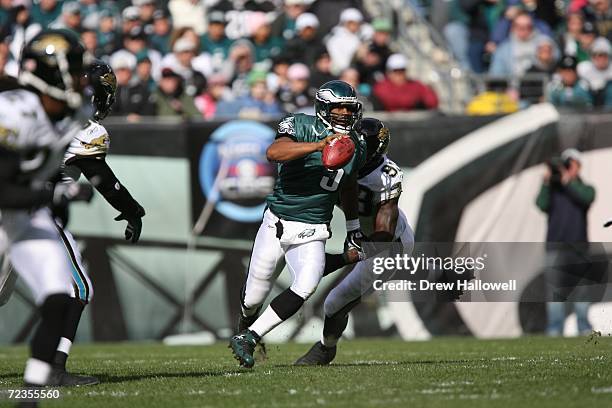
{"x":338,"y":152}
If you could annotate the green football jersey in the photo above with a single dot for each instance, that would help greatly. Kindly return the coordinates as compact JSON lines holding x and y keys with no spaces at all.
{"x":305,"y":190}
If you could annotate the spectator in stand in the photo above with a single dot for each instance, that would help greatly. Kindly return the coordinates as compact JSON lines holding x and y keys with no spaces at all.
{"x":70,"y":18}
{"x":600,"y":13}
{"x":132,"y":99}
{"x":515,"y":55}
{"x":181,"y":62}
{"x":189,"y":13}
{"x":216,"y":91}
{"x":547,"y":55}
{"x":566,"y":90}
{"x":162,"y":27}
{"x":284,"y":25}
{"x":585,"y":42}
{"x":501,"y":30}
{"x":215,"y":41}
{"x":306,"y":45}
{"x":321,"y":72}
{"x":106,"y":33}
{"x":399,"y":93}
{"x":277,"y":80}
{"x":372,"y":57}
{"x":241,"y":59}
{"x":569,"y":38}
{"x":265,"y":45}
{"x":90,"y":13}
{"x":259,"y":101}
{"x":598,"y":72}
{"x":345,"y":39}
{"x":136,"y":42}
{"x":89,"y":39}
{"x":130,"y":19}
{"x":146,"y":9}
{"x":171,"y":98}
{"x":19,"y":29}
{"x":45,"y":12}
{"x":144,"y":72}
{"x":298,"y":98}
{"x":351,"y":77}
{"x":8,"y":67}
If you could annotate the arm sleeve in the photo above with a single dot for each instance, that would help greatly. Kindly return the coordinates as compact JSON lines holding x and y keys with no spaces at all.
{"x":581,"y":193}
{"x":13,"y":195}
{"x":101,"y":176}
{"x":543,"y":199}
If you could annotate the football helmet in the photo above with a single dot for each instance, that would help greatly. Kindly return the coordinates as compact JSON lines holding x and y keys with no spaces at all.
{"x":376,"y":136}
{"x":53,"y":63}
{"x":334,"y":94}
{"x":103,"y":83}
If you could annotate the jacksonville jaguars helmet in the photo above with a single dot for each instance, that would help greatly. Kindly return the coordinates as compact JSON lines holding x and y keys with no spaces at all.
{"x":376,"y":136}
{"x":335,"y":94}
{"x":103,"y":83}
{"x":53,"y":63}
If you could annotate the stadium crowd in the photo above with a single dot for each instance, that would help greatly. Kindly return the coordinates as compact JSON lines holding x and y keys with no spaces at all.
{"x":226,"y":58}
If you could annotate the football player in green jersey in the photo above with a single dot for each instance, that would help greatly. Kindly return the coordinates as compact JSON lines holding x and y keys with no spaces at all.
{"x":296,"y":222}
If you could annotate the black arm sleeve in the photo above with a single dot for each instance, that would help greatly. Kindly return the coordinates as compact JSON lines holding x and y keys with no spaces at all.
{"x":100,"y":175}
{"x":13,"y":195}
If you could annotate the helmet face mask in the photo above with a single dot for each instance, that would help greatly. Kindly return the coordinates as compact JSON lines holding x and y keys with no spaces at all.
{"x":376,"y":136}
{"x":53,"y":63}
{"x":338,"y":94}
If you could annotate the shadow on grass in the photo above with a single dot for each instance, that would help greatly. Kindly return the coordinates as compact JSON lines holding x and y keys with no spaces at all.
{"x":113,"y":379}
{"x":383,"y":363}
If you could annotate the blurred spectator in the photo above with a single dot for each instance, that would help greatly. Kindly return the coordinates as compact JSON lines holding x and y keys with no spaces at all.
{"x":170,"y":97}
{"x":136,"y":43}
{"x":298,"y":96}
{"x":501,"y":30}
{"x":321,"y":72}
{"x":216,"y":91}
{"x":547,"y":55}
{"x":265,"y":45}
{"x":46,"y":12}
{"x":329,"y":11}
{"x":600,"y":13}
{"x":133,"y":99}
{"x":241,"y":59}
{"x":259,"y":101}
{"x":70,"y":18}
{"x":277,"y":79}
{"x":107,"y":37}
{"x":598,"y":72}
{"x":399,"y":93}
{"x":372,"y":57}
{"x":481,"y":15}
{"x":215,"y":41}
{"x":345,"y":39}
{"x":144,"y":72}
{"x":306,"y":45}
{"x":515,"y":55}
{"x":8,"y":67}
{"x":130,"y":19}
{"x":569,"y":38}
{"x":181,"y":62}
{"x":90,"y":13}
{"x":284,"y":25}
{"x":585,"y":42}
{"x":351,"y":77}
{"x":188,"y":13}
{"x":19,"y":29}
{"x":566,"y":90}
{"x":457,"y":34}
{"x":160,"y":37}
{"x":89,"y":38}
{"x":146,"y":10}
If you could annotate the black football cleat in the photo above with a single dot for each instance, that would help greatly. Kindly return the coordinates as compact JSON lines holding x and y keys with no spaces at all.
{"x":62,"y":378}
{"x":317,"y":355}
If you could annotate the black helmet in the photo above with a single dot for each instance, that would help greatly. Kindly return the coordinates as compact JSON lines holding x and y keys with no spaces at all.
{"x":376,"y":135}
{"x":333,"y":94}
{"x":53,"y":63}
{"x":103,"y":83}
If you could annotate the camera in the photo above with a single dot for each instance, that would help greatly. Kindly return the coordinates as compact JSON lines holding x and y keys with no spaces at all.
{"x":555,"y":165}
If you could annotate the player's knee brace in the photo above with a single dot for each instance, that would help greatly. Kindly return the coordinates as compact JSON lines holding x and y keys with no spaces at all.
{"x":46,"y":338}
{"x":286,"y":304}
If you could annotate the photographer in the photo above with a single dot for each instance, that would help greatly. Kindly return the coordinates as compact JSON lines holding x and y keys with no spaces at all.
{"x":566,"y":199}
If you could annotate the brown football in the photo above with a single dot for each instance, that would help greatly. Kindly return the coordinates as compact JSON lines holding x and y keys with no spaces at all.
{"x":338,"y":152}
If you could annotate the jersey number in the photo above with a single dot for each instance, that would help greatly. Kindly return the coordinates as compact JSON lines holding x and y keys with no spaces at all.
{"x":331,"y":181}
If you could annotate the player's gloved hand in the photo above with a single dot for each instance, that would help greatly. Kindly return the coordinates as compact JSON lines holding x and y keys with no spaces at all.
{"x":63,"y":193}
{"x":134,"y":227}
{"x":352,"y":243}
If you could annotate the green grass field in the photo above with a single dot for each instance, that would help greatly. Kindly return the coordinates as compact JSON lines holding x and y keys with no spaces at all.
{"x":452,"y":372}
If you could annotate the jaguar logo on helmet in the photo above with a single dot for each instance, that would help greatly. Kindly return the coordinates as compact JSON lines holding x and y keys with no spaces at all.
{"x":334,"y":94}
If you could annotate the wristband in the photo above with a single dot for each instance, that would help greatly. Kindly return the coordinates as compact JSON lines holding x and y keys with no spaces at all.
{"x":352,"y":225}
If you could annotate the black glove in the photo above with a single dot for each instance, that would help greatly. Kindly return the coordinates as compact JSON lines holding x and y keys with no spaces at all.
{"x":64,"y":193}
{"x":608,"y":223}
{"x":134,"y":226}
{"x":353,"y":243}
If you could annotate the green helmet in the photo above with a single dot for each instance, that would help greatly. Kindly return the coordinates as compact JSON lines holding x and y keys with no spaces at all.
{"x":335,"y":94}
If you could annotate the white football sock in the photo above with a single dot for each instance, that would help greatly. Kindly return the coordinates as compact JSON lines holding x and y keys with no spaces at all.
{"x":266,"y":322}
{"x":64,"y":345}
{"x":36,"y":372}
